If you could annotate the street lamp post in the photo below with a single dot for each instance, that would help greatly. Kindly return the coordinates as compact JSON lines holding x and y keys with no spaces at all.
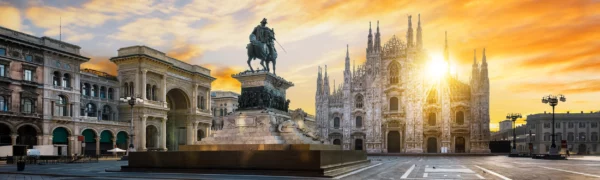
{"x":131,"y":101}
{"x":514,"y":117}
{"x":553,"y":101}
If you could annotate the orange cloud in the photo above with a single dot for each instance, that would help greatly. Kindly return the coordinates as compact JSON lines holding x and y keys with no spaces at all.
{"x":12,"y":17}
{"x":224,"y":80}
{"x":101,"y":64}
{"x":185,"y":52}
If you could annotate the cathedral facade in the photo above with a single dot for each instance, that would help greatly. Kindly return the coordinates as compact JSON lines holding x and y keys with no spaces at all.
{"x":388,"y":105}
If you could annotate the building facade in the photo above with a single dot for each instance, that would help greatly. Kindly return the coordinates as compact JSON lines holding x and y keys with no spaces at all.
{"x":176,"y":98}
{"x":43,"y":79}
{"x":580,"y":130}
{"x":505,"y":125}
{"x":223,"y":103}
{"x":388,"y":105}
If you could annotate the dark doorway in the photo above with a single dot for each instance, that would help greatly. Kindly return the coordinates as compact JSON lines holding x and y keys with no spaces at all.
{"x":358,"y":144}
{"x":581,"y":149}
{"x":431,"y":145}
{"x":27,"y":136}
{"x":337,"y":142}
{"x":459,"y":145}
{"x":393,"y":142}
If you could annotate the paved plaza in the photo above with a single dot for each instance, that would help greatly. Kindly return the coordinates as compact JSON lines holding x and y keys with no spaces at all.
{"x":382,"y":167}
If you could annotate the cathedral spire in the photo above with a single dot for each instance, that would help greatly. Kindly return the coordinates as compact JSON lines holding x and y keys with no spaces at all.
{"x":419,"y":35}
{"x":377,"y":39}
{"x":326,"y":83}
{"x":474,"y":57}
{"x":483,"y":61}
{"x":370,"y":41}
{"x":446,"y":58}
{"x":409,"y":33}
{"x":319,"y":82}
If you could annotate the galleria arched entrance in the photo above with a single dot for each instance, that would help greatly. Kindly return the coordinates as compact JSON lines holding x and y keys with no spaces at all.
{"x":178,"y":104}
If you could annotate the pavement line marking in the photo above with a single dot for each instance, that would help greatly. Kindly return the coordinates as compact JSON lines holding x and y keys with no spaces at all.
{"x":357,"y":171}
{"x":479,"y":176}
{"x":405,"y":175}
{"x":425,"y":175}
{"x":585,"y":174}
{"x":493,"y":173}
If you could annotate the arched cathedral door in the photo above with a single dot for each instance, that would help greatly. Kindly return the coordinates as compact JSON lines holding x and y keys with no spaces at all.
{"x":393,"y":142}
{"x":431,"y":145}
{"x":459,"y":145}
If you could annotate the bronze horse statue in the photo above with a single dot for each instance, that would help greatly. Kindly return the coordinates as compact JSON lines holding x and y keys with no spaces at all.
{"x":264,"y":51}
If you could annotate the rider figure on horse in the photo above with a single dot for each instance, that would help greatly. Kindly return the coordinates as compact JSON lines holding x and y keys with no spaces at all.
{"x":262,"y":46}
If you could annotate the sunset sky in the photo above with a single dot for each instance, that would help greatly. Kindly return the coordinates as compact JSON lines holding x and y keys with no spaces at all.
{"x":534,"y":48}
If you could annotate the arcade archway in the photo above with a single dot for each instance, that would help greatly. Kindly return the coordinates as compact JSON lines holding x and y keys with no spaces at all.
{"x":178,"y":104}
{"x":151,"y":137}
{"x":5,"y":134}
{"x":106,"y":142}
{"x":27,"y":135}
{"x":90,"y":142}
{"x":393,"y":142}
{"x":122,"y":139}
{"x":60,"y":141}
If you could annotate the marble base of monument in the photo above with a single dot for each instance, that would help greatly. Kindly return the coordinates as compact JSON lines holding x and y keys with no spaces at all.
{"x":316,"y":163}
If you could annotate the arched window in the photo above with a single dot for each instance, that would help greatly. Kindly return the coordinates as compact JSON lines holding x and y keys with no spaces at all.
{"x":558,"y":136}
{"x":4,"y":103}
{"x":199,"y":135}
{"x":393,"y":75}
{"x":110,"y":93}
{"x":358,"y":122}
{"x":66,"y":80}
{"x":337,"y":142}
{"x":103,"y":92}
{"x":570,"y":137}
{"x":594,"y":137}
{"x":432,"y":119}
{"x":154,"y":91}
{"x":582,"y":136}
{"x":106,"y":113}
{"x":359,"y":101}
{"x":131,"y":90}
{"x":61,"y":106}
{"x":94,"y":92}
{"x":56,"y":78}
{"x":125,"y":89}
{"x":336,"y":122}
{"x":201,"y":102}
{"x":394,"y":104}
{"x":460,"y":118}
{"x":148,"y":91}
{"x":90,"y":109}
{"x":546,"y":136}
{"x":26,"y":106}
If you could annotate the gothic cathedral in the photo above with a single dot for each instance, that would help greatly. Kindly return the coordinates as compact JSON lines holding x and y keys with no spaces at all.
{"x":387,"y":105}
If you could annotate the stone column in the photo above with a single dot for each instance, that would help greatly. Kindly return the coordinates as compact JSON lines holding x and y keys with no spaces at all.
{"x":190,"y":133}
{"x":207,"y":105}
{"x":164,"y":94}
{"x":136,"y":85}
{"x":114,"y":145}
{"x":97,"y":145}
{"x":195,"y":100}
{"x":13,"y":139}
{"x":144,"y":87}
{"x":143,"y":134}
{"x":72,"y":146}
{"x":163,"y":135}
{"x":195,"y":132}
{"x":39,"y":140}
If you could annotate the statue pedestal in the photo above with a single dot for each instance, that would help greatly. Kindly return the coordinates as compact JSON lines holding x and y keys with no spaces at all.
{"x":262,"y":90}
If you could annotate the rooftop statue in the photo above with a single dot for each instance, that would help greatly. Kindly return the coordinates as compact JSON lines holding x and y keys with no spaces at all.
{"x":261,"y":46}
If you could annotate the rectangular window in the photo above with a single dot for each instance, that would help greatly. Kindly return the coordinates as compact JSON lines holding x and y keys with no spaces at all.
{"x":27,"y":106}
{"x":2,"y":52}
{"x":2,"y":70}
{"x":557,"y":125}
{"x":594,"y":125}
{"x":28,"y":75}
{"x":546,"y":125}
{"x":532,"y":126}
{"x":581,"y":125}
{"x":29,"y":58}
{"x":571,"y":125}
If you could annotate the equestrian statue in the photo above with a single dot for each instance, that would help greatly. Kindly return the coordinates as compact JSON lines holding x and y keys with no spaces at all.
{"x":261,"y":46}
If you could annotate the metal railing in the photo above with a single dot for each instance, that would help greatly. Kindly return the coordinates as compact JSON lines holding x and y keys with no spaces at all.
{"x":52,"y":159}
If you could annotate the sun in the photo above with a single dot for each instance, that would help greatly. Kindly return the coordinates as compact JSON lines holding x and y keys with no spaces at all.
{"x":436,"y":67}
